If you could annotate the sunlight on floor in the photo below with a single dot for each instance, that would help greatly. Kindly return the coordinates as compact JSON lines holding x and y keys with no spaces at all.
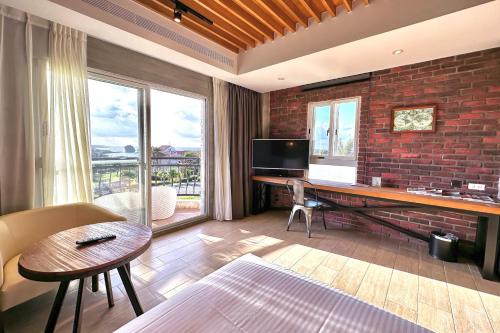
{"x":395,"y":275}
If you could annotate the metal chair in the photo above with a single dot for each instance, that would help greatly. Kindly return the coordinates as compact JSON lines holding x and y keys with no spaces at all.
{"x":303,"y":204}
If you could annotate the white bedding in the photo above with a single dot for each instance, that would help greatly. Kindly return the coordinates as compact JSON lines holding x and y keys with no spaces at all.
{"x":251,"y":295}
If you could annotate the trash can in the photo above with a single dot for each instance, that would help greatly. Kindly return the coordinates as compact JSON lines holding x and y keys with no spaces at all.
{"x":443,"y":246}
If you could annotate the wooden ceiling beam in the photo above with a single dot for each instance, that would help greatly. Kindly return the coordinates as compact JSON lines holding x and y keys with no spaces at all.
{"x":275,"y":11}
{"x":293,"y":11}
{"x":308,"y":6}
{"x":330,"y":7}
{"x":260,"y":14}
{"x":218,"y":10}
{"x":347,"y":5}
{"x":229,"y":8}
{"x":192,"y":24}
{"x":221,"y":23}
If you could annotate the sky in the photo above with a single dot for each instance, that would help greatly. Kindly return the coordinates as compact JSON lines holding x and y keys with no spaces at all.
{"x":175,"y":119}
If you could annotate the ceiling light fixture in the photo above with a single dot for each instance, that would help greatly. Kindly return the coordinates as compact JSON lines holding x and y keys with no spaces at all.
{"x":177,"y":16}
{"x":281,"y":79}
{"x":398,"y":51}
{"x":181,"y":8}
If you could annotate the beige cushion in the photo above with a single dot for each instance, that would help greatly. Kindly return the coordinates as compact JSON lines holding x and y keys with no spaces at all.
{"x":17,"y":289}
{"x":19,"y":230}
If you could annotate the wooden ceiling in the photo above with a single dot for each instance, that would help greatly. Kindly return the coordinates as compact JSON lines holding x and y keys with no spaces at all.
{"x":242,"y":24}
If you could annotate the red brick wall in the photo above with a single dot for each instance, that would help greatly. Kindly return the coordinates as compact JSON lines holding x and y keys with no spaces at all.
{"x":465,"y":146}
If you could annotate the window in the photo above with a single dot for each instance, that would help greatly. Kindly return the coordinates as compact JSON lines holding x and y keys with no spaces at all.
{"x":333,"y":133}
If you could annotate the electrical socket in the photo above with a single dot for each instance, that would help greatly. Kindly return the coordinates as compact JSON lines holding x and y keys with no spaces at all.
{"x":478,"y":187}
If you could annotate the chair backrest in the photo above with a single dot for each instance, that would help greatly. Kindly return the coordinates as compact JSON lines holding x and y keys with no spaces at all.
{"x":297,"y":190}
{"x":20,"y":230}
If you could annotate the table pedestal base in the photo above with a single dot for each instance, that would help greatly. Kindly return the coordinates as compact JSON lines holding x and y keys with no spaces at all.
{"x":63,"y":288}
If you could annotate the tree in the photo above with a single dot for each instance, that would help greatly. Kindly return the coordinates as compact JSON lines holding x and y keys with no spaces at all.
{"x":192,"y":154}
{"x":172,"y":174}
{"x":129,"y":149}
{"x":156,"y":152}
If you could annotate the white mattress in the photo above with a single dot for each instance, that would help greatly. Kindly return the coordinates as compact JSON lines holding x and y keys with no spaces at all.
{"x":251,"y":295}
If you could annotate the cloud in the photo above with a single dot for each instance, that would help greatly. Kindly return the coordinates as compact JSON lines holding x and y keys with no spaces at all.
{"x":188,"y":135}
{"x":189,"y":115}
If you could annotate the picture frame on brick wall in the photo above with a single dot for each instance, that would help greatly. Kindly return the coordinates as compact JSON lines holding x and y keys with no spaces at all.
{"x":419,"y":118}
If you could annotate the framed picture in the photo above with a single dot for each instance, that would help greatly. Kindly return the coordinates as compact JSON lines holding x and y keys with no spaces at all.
{"x":421,"y":118}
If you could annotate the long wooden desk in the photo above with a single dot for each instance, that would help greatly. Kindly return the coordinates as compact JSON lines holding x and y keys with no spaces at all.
{"x":488,"y":213}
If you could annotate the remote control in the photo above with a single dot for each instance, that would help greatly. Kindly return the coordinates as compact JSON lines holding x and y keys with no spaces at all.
{"x":96,"y":239}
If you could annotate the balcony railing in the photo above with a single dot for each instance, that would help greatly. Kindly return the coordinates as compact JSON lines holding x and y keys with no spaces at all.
{"x":122,"y":175}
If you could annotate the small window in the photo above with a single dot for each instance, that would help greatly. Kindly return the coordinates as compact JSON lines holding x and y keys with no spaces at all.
{"x":333,"y":133}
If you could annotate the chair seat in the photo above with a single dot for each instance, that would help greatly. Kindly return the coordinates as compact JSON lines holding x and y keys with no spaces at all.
{"x":16,"y":289}
{"x":313,"y":204}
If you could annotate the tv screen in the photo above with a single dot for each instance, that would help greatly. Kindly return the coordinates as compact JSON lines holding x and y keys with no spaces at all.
{"x":289,"y":154}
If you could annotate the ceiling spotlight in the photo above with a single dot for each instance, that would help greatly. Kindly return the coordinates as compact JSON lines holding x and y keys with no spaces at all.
{"x":177,"y":16}
{"x":398,"y":51}
{"x":281,"y":79}
{"x":181,"y":8}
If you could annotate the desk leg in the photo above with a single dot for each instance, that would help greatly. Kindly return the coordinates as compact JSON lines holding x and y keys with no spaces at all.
{"x":56,"y":307}
{"x":491,"y":248}
{"x":77,"y":322}
{"x":127,"y":283}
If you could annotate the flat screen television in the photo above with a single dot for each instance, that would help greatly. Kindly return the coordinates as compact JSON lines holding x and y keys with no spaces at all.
{"x":285,"y":154}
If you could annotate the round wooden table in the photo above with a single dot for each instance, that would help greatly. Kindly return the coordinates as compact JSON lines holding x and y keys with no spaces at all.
{"x":58,"y":258}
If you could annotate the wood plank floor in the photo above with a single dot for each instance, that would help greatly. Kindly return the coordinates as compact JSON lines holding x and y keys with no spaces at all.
{"x":395,"y":275}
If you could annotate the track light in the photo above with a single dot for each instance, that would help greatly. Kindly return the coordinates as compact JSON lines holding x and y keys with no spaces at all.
{"x":181,"y":8}
{"x":177,"y":16}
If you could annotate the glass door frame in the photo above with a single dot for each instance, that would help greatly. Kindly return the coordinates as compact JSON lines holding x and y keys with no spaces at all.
{"x":145,"y":142}
{"x":204,"y":158}
{"x":142,"y":134}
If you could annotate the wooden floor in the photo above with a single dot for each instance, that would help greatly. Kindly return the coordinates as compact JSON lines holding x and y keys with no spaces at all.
{"x":395,"y":275}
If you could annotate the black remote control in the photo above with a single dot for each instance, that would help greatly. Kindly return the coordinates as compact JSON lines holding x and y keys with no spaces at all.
{"x":96,"y":239}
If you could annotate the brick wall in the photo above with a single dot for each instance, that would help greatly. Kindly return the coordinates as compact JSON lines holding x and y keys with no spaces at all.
{"x":466,"y":145}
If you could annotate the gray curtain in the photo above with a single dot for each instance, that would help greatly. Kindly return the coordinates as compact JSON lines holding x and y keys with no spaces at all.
{"x":245,"y":121}
{"x":21,"y":42}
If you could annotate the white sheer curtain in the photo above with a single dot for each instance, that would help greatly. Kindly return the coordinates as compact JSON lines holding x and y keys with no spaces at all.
{"x":222,"y":181}
{"x":17,"y":162}
{"x":67,"y":164}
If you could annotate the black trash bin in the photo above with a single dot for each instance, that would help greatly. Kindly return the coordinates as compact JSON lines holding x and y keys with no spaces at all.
{"x":443,"y":246}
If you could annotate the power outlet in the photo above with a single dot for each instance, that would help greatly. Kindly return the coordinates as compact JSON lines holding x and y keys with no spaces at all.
{"x":477,"y":187}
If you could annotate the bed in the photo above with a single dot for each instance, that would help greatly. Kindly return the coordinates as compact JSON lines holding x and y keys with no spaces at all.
{"x":252,"y":295}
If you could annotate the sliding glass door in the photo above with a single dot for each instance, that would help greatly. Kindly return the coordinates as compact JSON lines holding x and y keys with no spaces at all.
{"x":177,"y":158}
{"x":117,"y":136}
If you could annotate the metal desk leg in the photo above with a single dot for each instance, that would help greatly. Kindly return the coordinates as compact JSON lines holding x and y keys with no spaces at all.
{"x":491,"y":248}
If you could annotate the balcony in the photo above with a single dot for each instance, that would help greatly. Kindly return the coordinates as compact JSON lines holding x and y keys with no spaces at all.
{"x":176,"y":188}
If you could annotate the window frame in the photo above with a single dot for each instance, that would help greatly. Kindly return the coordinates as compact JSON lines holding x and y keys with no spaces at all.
{"x":331,"y":158}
